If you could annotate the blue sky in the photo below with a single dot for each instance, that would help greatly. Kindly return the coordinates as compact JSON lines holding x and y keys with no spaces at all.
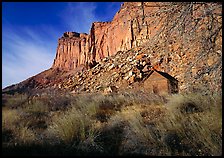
{"x":30,"y":31}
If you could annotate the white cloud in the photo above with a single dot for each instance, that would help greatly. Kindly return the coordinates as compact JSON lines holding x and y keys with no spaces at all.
{"x":28,"y":51}
{"x":25,"y":53}
{"x":78,"y":16}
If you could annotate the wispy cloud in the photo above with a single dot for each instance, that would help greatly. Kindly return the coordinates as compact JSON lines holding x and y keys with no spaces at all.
{"x":78,"y":16}
{"x":26,"y":52}
{"x":29,"y":50}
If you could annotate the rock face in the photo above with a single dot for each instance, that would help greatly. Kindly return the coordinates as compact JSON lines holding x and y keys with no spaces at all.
{"x":128,"y":29}
{"x":183,"y":39}
{"x":72,"y":51}
{"x":188,"y":36}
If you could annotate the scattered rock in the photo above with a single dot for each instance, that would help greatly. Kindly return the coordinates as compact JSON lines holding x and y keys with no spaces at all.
{"x":110,"y":89}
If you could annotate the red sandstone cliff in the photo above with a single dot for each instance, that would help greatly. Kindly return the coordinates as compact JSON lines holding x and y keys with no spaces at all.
{"x":185,"y":36}
{"x":129,"y":28}
{"x":71,"y":51}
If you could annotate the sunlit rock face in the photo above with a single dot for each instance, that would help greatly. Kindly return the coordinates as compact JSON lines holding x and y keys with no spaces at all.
{"x":128,"y":29}
{"x":182,"y":39}
{"x":71,"y":51}
{"x":188,"y":36}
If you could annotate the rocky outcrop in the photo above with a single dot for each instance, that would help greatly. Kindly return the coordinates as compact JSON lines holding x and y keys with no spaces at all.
{"x":72,"y":51}
{"x":187,"y":36}
{"x":183,"y":39}
{"x":128,"y":29}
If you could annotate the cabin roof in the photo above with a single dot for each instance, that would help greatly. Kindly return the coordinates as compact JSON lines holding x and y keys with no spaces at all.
{"x":166,"y":75}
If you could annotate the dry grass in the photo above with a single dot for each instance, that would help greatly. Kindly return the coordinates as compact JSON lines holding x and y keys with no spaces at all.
{"x":25,"y":136}
{"x":69,"y":126}
{"x":9,"y":118}
{"x":75,"y":124}
{"x":196,"y":121}
{"x":14,"y":130}
{"x":37,"y":106}
{"x":14,"y":101}
{"x":118,"y":124}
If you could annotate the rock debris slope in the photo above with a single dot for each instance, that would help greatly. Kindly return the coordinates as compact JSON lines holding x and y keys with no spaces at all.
{"x":183,"y":39}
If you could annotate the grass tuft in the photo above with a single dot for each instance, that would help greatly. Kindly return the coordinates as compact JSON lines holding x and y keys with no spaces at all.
{"x":128,"y":123}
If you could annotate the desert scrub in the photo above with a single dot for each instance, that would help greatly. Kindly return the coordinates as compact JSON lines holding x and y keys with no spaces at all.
{"x":77,"y":128}
{"x":36,"y":106}
{"x":25,"y":136}
{"x":58,"y":101}
{"x":144,"y":98}
{"x":194,"y":123}
{"x":87,"y":106}
{"x":137,"y":137}
{"x":14,"y":101}
{"x":11,"y":124}
{"x":99,"y":106}
{"x":136,"y":124}
{"x":71,"y":126}
{"x":9,"y":118}
{"x":193,"y":102}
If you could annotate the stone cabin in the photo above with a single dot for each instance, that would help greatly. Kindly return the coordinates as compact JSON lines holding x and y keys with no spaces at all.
{"x":160,"y":82}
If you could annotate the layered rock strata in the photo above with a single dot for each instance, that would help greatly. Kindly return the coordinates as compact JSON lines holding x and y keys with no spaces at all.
{"x":128,"y":29}
{"x":188,"y":36}
{"x":185,"y":38}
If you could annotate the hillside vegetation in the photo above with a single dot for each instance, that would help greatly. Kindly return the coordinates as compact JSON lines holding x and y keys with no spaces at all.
{"x":125,"y":123}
